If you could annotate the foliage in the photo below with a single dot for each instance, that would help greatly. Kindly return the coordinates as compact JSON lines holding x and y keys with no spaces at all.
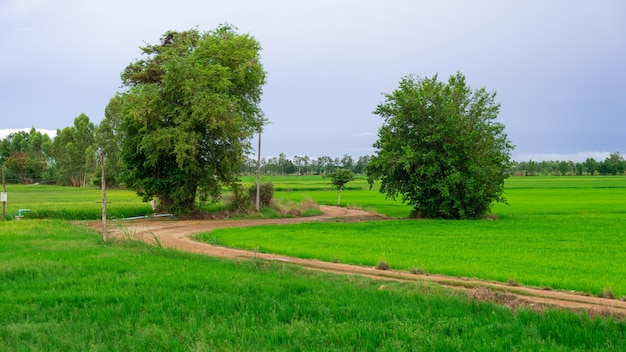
{"x":26,"y":156}
{"x":61,"y":289}
{"x":339,"y":179}
{"x":614,"y":164}
{"x":108,"y":137}
{"x":74,"y":153}
{"x":240,"y":200}
{"x":266,"y":193}
{"x":441,"y":149}
{"x":561,"y":232}
{"x":188,"y":114}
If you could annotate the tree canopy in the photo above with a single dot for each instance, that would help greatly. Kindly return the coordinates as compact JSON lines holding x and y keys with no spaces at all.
{"x":441,"y":148}
{"x":74,"y":152}
{"x":188,"y":114}
{"x":339,"y":179}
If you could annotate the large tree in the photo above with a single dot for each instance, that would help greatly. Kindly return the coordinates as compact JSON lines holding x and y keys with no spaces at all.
{"x":189,"y":113}
{"x":441,"y":148}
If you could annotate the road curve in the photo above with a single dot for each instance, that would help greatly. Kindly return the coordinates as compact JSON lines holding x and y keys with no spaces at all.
{"x":179,"y":235}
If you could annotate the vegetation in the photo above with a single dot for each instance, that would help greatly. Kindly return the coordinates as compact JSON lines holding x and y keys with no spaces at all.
{"x":29,"y":159}
{"x":266,"y":193}
{"x":69,"y":203}
{"x":614,"y":164}
{"x":62,"y":289}
{"x":188,"y":114}
{"x":339,"y":179}
{"x":564,"y":233}
{"x":74,"y":150}
{"x":441,"y":149}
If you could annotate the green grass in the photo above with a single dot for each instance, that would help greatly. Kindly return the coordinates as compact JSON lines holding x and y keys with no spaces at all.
{"x":565,"y":233}
{"x":61,"y":288}
{"x":356,"y":193}
{"x":72,"y":203}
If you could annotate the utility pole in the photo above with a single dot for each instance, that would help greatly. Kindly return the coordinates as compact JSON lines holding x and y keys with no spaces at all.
{"x":258,"y":172}
{"x":4,"y":195}
{"x":104,"y":199}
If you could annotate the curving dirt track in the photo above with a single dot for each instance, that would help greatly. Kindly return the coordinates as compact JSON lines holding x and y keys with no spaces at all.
{"x":178,"y":235}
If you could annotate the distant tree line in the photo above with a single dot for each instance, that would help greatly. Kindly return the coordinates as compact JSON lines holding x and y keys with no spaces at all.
{"x":71,"y":158}
{"x":305,"y":165}
{"x":68,"y":159}
{"x":614,"y":164}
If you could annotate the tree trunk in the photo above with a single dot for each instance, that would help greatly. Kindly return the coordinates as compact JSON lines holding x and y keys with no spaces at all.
{"x":339,"y":197}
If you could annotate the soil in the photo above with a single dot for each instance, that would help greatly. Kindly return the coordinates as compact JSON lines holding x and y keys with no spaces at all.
{"x":178,"y":234}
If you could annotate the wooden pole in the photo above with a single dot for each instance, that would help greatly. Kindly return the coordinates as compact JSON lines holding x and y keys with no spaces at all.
{"x":258,"y":173}
{"x":104,"y":199}
{"x":4,"y":190}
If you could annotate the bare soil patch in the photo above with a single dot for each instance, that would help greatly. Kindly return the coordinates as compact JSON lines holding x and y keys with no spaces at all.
{"x":178,"y":235}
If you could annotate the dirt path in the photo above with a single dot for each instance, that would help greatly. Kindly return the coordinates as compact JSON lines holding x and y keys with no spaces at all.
{"x":177,"y":234}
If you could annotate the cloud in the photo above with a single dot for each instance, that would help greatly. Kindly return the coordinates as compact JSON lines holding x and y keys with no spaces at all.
{"x":363,"y":134}
{"x":558,"y":70}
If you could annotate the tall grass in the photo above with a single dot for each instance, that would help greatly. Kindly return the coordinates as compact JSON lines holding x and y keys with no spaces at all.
{"x":62,"y":289}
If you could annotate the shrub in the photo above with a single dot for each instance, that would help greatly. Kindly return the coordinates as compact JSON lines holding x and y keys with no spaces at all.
{"x":306,"y":207}
{"x":383,"y":265}
{"x":265,"y":195}
{"x":607,"y":293}
{"x":417,"y":271}
{"x":240,"y":200}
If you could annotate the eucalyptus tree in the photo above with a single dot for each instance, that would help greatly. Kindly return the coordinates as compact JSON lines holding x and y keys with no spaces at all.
{"x":189,"y":112}
{"x":75,"y":153}
{"x":109,"y":138}
{"x":347,"y":162}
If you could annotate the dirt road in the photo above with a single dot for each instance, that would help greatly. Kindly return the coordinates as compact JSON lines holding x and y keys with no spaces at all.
{"x":178,"y":235}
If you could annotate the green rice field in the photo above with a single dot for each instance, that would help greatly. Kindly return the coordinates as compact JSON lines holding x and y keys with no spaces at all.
{"x":72,"y":203}
{"x":61,"y":288}
{"x":558,"y":232}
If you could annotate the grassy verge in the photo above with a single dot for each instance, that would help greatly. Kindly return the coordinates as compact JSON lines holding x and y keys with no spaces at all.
{"x":62,"y":289}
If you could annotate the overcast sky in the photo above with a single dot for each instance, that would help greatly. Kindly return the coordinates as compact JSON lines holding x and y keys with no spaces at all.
{"x":558,"y":67}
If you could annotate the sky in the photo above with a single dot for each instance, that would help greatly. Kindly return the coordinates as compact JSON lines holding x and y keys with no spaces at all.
{"x":558,"y":67}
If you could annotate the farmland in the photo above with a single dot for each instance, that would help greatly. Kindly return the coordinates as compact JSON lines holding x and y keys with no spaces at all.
{"x":562,"y":233}
{"x":61,"y":288}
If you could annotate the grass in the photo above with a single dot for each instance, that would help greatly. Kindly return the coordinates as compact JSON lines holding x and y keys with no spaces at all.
{"x":564,"y":233}
{"x":61,"y":288}
{"x":355,"y":193}
{"x":72,"y":203}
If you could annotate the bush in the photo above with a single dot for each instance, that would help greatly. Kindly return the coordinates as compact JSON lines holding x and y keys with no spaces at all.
{"x":306,"y":207}
{"x":266,"y":195}
{"x":240,"y":200}
{"x":383,"y":265}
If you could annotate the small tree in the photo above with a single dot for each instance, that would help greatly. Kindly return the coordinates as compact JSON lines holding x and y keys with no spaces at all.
{"x":441,"y":148}
{"x":338,"y":179}
{"x":266,"y":193}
